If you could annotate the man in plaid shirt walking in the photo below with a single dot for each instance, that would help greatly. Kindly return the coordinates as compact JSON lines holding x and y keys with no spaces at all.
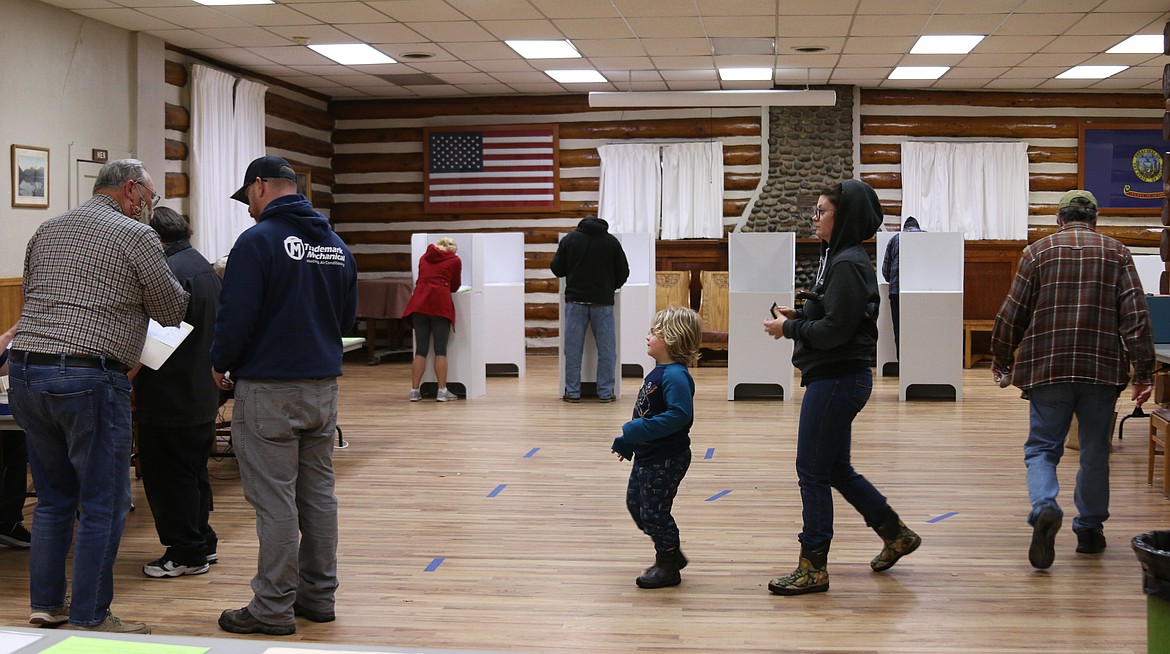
{"x":1077,"y":314}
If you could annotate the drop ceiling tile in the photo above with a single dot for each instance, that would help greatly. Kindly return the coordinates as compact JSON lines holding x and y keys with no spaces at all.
{"x":627,"y":76}
{"x":486,"y":89}
{"x":745,"y":85}
{"x":331,"y":70}
{"x":272,"y":70}
{"x":892,"y":25}
{"x":807,"y":61}
{"x":293,"y":55}
{"x":966,"y":24}
{"x":539,"y":89}
{"x":710,"y":8}
{"x":244,"y":36}
{"x":317,"y":34}
{"x":503,"y":65}
{"x":741,"y":26}
{"x":461,"y":30}
{"x":622,"y":64}
{"x":931,"y":60}
{"x":1014,"y":84}
{"x":884,"y":7}
{"x":82,"y":4}
{"x":522,"y":29}
{"x":995,"y":44}
{"x":445,"y":91}
{"x":977,"y":58}
{"x":689,"y":75}
{"x":495,"y":9}
{"x":676,"y":47}
{"x":656,"y":8}
{"x":341,"y":12}
{"x":463,"y":79}
{"x":744,"y":61}
{"x":382,"y":33}
{"x":197,"y":17}
{"x":809,"y":28}
{"x":878,"y":45}
{"x":610,"y":47}
{"x":576,"y":8}
{"x":435,"y":67}
{"x":130,"y":19}
{"x":1036,"y":24}
{"x":1062,"y":60}
{"x":266,"y":15}
{"x":1116,"y":23}
{"x":473,"y":52}
{"x":1079,"y":43}
{"x":643,"y":86}
{"x":667,"y":27}
{"x":531,"y":77}
{"x":787,"y":46}
{"x":417,"y":10}
{"x":1046,"y":6}
{"x":388,"y":69}
{"x":1033,"y":72}
{"x":697,"y":64}
{"x":593,"y":28}
{"x":692,"y":85}
{"x":398,"y":49}
{"x":803,"y":75}
{"x":237,"y":57}
{"x":391,"y":92}
{"x":863,"y":76}
{"x":977,"y":6}
{"x":190,"y":39}
{"x":861,"y":61}
{"x":970,"y":73}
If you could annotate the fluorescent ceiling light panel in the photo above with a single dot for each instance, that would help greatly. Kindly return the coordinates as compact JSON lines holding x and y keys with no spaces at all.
{"x":1139,"y":44}
{"x":229,"y":3}
{"x":918,"y":72}
{"x":1091,"y":72}
{"x":352,"y":54}
{"x":745,"y":74}
{"x":575,"y":76}
{"x":562,"y":49}
{"x":729,"y":98}
{"x":946,"y":44}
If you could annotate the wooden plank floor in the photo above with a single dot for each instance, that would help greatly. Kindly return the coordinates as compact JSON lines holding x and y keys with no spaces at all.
{"x":548,"y":563}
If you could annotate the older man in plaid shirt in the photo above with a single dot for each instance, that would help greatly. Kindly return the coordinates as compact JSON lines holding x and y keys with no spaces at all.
{"x":1077,"y":314}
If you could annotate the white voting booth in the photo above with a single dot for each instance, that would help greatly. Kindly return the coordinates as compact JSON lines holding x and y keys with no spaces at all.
{"x":1150,"y":268}
{"x":466,"y":348}
{"x":761,"y":270}
{"x":503,"y":298}
{"x":887,"y":353}
{"x":632,"y":312}
{"x":931,"y":283}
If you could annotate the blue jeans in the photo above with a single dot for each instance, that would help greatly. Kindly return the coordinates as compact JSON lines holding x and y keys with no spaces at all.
{"x":283,"y":431}
{"x":1051,"y":410}
{"x":823,"y":445}
{"x":600,"y":318}
{"x":77,"y":422}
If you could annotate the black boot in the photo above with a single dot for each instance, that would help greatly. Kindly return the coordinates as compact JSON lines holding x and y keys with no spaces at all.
{"x":664,"y":572}
{"x":899,"y":540}
{"x":810,"y":576}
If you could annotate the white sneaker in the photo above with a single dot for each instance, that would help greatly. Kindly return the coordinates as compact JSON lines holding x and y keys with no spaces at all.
{"x":445,"y":395}
{"x":415,"y":395}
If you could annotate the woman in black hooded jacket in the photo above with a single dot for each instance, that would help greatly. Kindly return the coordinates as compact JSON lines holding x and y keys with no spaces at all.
{"x":835,"y":333}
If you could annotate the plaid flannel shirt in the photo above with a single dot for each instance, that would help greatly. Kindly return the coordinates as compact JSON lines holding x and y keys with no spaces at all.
{"x":1077,"y":313}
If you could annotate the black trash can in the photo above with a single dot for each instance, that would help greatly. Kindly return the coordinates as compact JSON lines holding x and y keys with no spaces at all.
{"x":1153,"y":552}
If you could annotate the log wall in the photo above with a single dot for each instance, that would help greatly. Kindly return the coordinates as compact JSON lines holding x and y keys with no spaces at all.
{"x":378,"y":194}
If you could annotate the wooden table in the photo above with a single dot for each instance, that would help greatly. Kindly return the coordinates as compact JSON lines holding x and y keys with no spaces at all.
{"x":383,"y":299}
{"x":969,"y":328}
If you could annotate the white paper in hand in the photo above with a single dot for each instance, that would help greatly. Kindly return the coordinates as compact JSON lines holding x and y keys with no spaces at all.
{"x":161,"y":342}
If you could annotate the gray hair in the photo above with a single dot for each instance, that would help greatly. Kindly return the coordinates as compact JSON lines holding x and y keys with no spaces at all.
{"x":117,"y":173}
{"x":170,"y":225}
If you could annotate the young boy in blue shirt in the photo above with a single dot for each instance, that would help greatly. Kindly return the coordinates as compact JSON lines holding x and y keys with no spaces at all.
{"x":658,"y":440}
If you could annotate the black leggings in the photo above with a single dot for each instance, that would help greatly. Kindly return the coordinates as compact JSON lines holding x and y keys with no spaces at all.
{"x":424,"y":328}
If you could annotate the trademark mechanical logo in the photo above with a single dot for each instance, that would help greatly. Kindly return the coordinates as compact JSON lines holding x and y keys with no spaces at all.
{"x":298,"y":250}
{"x":294,"y":248}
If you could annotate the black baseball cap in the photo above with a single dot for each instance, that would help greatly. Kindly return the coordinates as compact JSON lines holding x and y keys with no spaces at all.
{"x":267,"y":168}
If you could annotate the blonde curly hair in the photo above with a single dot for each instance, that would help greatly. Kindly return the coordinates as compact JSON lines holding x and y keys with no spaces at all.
{"x":447,"y":244}
{"x":682,"y":331}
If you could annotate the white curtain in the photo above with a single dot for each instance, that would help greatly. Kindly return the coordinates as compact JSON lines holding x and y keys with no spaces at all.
{"x":980,"y":189}
{"x":631,"y":180}
{"x":692,"y":190}
{"x":227,"y":132}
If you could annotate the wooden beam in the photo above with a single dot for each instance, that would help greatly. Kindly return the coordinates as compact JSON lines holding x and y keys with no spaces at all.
{"x":177,"y":185}
{"x":531,"y":105}
{"x":176,"y":118}
{"x":175,"y":74}
{"x":1010,"y":99}
{"x":285,"y":140}
{"x":960,"y":126}
{"x":542,"y":311}
{"x":394,"y":212}
{"x":175,"y":150}
{"x":300,"y":113}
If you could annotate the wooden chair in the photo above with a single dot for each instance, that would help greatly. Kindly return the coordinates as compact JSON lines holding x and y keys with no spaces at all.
{"x":713,"y":309}
{"x":1159,"y":421}
{"x":673,"y":289}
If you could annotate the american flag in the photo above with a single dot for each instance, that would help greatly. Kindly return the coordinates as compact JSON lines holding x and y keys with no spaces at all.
{"x":491,"y":169}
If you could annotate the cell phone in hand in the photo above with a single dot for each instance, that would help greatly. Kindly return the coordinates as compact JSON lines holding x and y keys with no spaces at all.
{"x":775,"y":311}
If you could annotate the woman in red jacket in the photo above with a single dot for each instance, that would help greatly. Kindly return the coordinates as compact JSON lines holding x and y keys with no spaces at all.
{"x":432,"y":313}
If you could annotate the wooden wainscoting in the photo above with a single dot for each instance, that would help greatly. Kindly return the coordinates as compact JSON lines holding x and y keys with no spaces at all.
{"x":11,"y":301}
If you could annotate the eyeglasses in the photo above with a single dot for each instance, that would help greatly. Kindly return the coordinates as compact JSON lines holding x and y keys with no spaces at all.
{"x":818,"y":212}
{"x":154,"y":197}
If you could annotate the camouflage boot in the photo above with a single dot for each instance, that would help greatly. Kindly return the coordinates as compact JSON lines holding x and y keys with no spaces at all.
{"x":810,"y":576}
{"x":899,"y":541}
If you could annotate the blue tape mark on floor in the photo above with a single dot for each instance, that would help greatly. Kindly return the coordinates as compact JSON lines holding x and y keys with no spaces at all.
{"x":716,"y":496}
{"x":944,"y":516}
{"x":434,"y":564}
{"x":710,"y":453}
{"x":532,"y":453}
{"x":497,"y":490}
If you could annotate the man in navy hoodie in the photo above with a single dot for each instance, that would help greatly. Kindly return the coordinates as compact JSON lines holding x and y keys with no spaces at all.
{"x":289,"y":293}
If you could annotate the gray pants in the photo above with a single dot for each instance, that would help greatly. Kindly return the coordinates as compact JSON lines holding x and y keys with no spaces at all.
{"x":283,"y":431}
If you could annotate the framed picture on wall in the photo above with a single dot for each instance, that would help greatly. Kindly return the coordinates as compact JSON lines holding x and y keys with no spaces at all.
{"x":30,"y":176}
{"x":304,"y":181}
{"x":1121,"y":164}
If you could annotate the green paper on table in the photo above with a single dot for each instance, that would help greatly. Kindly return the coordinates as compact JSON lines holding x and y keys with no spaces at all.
{"x":83,"y":645}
